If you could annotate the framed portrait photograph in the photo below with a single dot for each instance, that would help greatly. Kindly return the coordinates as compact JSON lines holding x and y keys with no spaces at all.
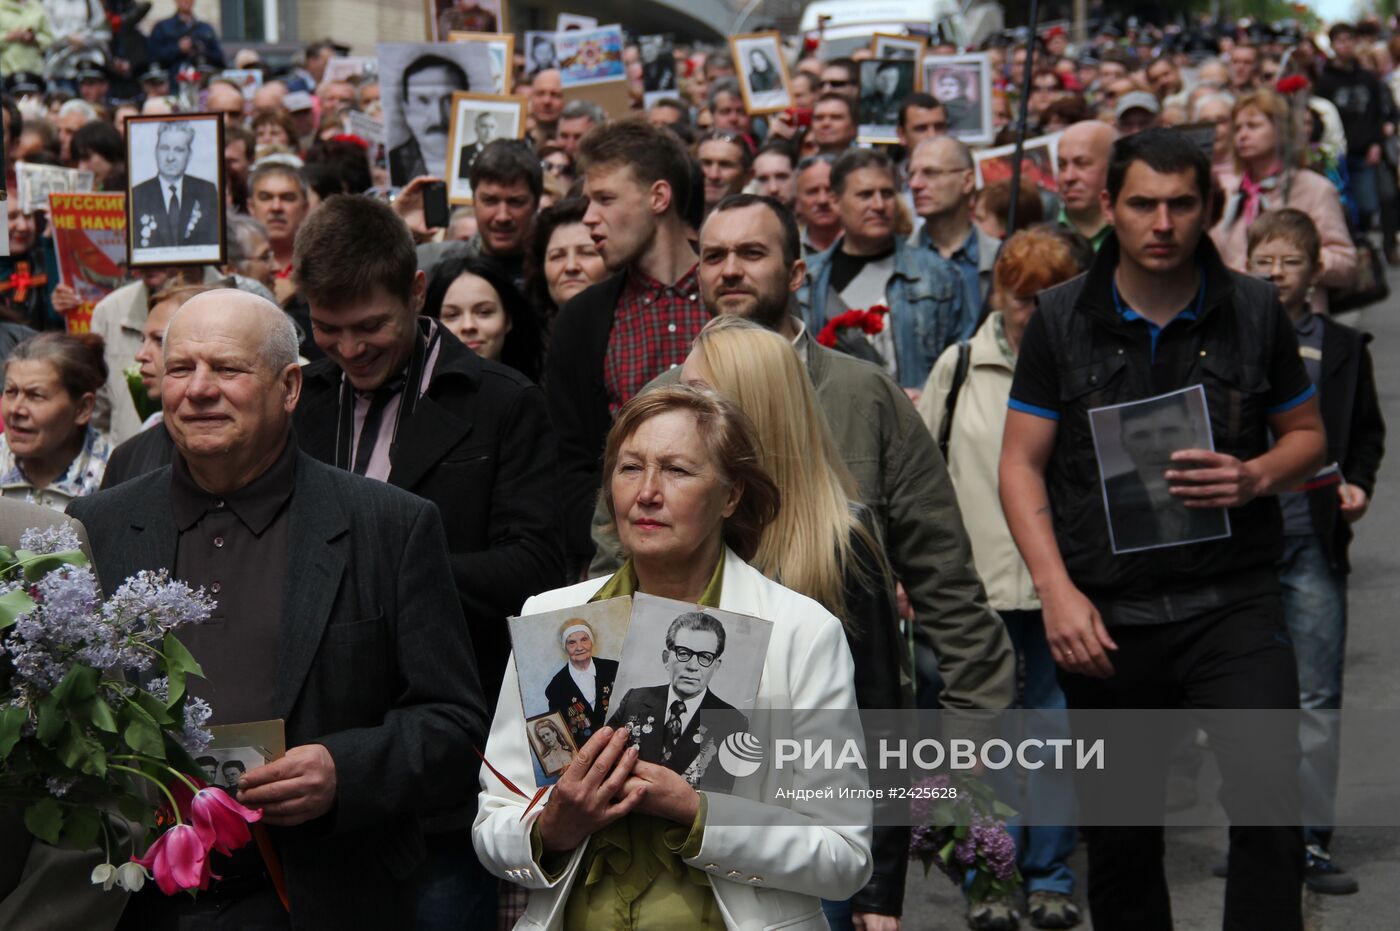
{"x":763,"y":76}
{"x":889,"y":45}
{"x":477,"y":121}
{"x":707,"y":660}
{"x":540,"y":54}
{"x":554,"y":748}
{"x":884,"y":84}
{"x":449,"y":16}
{"x":572,"y":22}
{"x":175,"y":189}
{"x":590,"y":56}
{"x":566,"y":663}
{"x":417,"y":81}
{"x":502,"y":51}
{"x":658,"y":64}
{"x":1039,"y":163}
{"x":1133,"y":444}
{"x":963,"y":84}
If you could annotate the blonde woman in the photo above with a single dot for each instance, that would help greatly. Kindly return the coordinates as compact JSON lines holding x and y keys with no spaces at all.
{"x":1261,"y":180}
{"x":821,"y":543}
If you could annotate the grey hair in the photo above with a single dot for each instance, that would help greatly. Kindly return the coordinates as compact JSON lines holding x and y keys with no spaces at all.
{"x":1227,"y":98}
{"x":78,"y":106}
{"x":576,"y":109}
{"x":240,"y":228}
{"x":722,"y":86}
{"x":266,"y":168}
{"x":183,"y":127}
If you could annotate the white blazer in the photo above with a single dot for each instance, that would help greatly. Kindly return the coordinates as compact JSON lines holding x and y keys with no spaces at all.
{"x":764,"y":878}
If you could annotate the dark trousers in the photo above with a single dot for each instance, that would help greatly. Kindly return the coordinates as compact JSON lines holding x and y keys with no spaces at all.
{"x":223,"y":907}
{"x":454,"y":891}
{"x":1238,"y":656}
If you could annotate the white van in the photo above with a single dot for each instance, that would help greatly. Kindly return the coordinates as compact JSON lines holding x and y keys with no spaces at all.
{"x":850,"y":23}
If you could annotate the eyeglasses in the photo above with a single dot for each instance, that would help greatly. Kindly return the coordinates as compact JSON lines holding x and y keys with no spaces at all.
{"x":828,"y":83}
{"x":940,"y":172}
{"x":1290,"y":263}
{"x":562,"y":169}
{"x":706,"y":658}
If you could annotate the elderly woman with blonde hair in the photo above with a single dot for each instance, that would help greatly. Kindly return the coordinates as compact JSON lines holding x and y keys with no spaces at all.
{"x":622,"y":843}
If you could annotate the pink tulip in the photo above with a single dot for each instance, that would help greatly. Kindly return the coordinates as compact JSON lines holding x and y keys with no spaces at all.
{"x":179,"y":859}
{"x":221,"y":822}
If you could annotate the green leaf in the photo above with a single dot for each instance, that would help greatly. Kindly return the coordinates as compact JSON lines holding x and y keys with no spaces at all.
{"x":79,"y":685}
{"x":36,"y":566}
{"x":80,"y":827}
{"x":1003,"y":810}
{"x":45,"y":820}
{"x":154,"y":707}
{"x":179,"y":662}
{"x":947,"y":852}
{"x":11,"y":722}
{"x":980,"y":887}
{"x":52,"y":721}
{"x":12,"y":605}
{"x":142,"y":734}
{"x":99,"y":714}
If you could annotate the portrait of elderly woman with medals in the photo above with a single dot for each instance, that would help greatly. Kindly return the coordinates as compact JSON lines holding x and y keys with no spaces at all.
{"x":581,"y":689}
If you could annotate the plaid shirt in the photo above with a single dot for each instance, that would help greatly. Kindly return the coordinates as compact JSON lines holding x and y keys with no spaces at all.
{"x":652,"y":331}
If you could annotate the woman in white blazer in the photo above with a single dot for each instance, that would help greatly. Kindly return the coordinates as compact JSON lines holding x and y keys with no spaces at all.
{"x":685,"y":486}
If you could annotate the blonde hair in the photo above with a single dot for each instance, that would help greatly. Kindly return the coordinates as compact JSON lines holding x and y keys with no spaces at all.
{"x":808,"y":545}
{"x":1274,"y":107}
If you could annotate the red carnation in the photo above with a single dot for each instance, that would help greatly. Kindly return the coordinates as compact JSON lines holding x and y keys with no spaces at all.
{"x":1291,"y":84}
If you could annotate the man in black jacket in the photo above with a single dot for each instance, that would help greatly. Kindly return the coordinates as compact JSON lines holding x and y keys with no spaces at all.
{"x":1358,"y":96}
{"x":613,"y":338}
{"x":333,"y":613}
{"x":1198,"y":625}
{"x":401,"y":400}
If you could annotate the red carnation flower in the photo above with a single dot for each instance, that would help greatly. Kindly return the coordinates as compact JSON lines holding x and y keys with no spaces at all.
{"x":1291,"y":84}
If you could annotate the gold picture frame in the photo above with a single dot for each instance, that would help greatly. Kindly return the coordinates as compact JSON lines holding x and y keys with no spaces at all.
{"x":459,"y":190}
{"x":491,"y":38}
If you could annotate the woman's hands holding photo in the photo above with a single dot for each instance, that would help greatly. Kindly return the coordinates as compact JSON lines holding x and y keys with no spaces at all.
{"x":594,"y":791}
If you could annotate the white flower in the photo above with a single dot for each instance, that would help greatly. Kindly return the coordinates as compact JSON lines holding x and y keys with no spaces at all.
{"x":104,"y":874}
{"x":131,"y":876}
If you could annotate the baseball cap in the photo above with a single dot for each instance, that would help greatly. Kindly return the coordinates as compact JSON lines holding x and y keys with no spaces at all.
{"x":297,"y":100}
{"x":1137,"y":100}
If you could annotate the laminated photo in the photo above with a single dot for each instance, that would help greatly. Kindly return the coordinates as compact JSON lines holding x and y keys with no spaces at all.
{"x":567,"y":662}
{"x":1134,"y":443}
{"x":963,"y":84}
{"x":688,"y":681}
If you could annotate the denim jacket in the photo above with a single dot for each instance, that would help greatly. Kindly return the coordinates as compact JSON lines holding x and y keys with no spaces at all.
{"x":925,"y":298}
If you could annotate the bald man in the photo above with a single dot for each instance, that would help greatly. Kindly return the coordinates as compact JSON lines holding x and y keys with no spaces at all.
{"x":943,"y":185}
{"x":336,"y":613}
{"x":546,"y":103}
{"x":1083,"y":153}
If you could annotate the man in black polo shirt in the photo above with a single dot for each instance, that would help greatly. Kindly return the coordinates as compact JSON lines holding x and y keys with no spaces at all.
{"x":1196,"y":625}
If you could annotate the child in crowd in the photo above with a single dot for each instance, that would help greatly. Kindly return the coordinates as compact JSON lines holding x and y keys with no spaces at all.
{"x":1284,"y":248}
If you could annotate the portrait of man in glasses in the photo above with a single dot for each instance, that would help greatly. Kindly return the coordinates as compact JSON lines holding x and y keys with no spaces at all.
{"x":682,"y":723}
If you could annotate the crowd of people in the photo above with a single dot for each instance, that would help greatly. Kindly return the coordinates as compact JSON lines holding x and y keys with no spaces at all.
{"x":741,"y":361}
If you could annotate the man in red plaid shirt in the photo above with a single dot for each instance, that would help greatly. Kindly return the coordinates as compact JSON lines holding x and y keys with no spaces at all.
{"x":613,"y":338}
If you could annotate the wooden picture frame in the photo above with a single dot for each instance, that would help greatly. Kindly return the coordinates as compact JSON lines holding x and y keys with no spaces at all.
{"x":892,"y":45}
{"x":760,"y":93}
{"x":460,"y":153}
{"x":434,"y":9}
{"x":198,"y":235}
{"x":505,"y":41}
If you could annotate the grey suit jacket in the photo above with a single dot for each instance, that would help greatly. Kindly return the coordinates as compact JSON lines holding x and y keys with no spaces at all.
{"x":375,"y":664}
{"x":42,"y":886}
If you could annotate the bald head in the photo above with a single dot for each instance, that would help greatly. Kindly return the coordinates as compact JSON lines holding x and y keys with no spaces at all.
{"x":269,"y":331}
{"x":947,"y":149}
{"x":231,"y":383}
{"x":1084,"y":151}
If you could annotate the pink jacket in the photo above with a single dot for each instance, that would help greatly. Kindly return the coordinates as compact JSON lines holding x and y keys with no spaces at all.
{"x":1314,"y":195}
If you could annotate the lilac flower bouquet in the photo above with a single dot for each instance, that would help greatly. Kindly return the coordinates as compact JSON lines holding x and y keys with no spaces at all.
{"x":81,"y":744}
{"x":964,"y":832}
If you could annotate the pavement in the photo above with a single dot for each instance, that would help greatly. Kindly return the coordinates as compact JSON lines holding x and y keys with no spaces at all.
{"x":1372,"y":855}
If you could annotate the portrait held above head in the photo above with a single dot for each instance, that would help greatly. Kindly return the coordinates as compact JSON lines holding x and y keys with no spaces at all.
{"x":176,"y":210}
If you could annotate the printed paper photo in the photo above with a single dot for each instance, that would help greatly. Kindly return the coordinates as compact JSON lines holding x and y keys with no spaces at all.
{"x":417,"y":81}
{"x":590,"y":56}
{"x":175,"y":200}
{"x":963,"y":84}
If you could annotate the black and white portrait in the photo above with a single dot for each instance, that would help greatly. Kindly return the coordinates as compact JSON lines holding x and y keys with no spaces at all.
{"x":688,"y":681}
{"x":963,"y":84}
{"x":417,"y":81}
{"x":553,"y":746}
{"x":658,"y":63}
{"x":567,"y":663}
{"x":176,"y":198}
{"x":887,"y":45}
{"x":763,"y":79}
{"x":883,"y":86}
{"x":1134,"y":444}
{"x":477,"y":120}
{"x":224,"y":767}
{"x":540,"y":54}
